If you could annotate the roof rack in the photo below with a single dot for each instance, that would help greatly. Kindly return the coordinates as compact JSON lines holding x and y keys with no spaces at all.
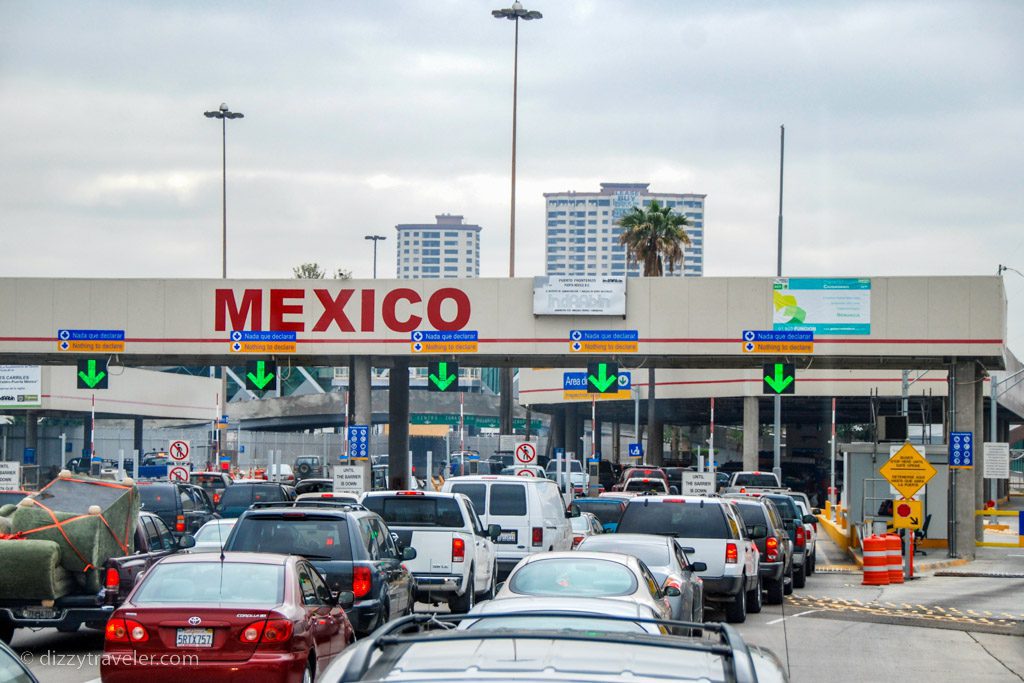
{"x":308,"y":503}
{"x":413,"y":628}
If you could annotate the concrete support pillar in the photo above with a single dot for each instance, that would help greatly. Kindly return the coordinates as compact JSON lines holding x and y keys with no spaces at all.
{"x":529,"y":415}
{"x":398,"y":436}
{"x":655,"y":450}
{"x":966,"y":495}
{"x":137,"y":437}
{"x":361,"y":384}
{"x":598,"y":429}
{"x":31,"y":432}
{"x":656,"y":441}
{"x":505,"y":408}
{"x":616,"y":446}
{"x":556,"y":439}
{"x":980,"y":490}
{"x":573,"y":429}
{"x":751,"y":432}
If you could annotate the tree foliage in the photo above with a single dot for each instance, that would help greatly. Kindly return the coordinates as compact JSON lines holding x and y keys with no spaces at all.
{"x":654,"y":237}
{"x":313,"y":271}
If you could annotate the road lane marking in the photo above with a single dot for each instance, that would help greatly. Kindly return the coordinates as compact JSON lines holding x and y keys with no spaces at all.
{"x":794,"y":616}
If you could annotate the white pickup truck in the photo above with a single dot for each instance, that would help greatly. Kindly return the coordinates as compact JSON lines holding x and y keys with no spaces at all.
{"x":752,"y":481}
{"x":455,"y":555}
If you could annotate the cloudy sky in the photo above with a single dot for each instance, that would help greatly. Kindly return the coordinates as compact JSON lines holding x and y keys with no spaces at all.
{"x":904,"y":143}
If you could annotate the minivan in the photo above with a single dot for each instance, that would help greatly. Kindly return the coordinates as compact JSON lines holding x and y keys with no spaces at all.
{"x":530,"y":510}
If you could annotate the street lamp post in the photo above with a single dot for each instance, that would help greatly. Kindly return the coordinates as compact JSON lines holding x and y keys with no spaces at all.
{"x":375,"y":238}
{"x":513,"y":13}
{"x":223,"y":113}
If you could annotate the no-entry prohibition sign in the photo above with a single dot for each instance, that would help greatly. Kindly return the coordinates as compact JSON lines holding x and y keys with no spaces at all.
{"x":526,"y":453}
{"x":525,"y":472}
{"x":179,"y":450}
{"x":178,"y":473}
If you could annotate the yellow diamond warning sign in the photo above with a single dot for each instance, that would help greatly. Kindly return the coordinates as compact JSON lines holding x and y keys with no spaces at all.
{"x":907,"y":471}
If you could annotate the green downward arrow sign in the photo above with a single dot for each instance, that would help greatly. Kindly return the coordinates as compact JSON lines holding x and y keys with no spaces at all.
{"x":603,"y":379}
{"x":781,"y":380}
{"x":443,"y":380}
{"x":262,"y":378}
{"x":91,"y":378}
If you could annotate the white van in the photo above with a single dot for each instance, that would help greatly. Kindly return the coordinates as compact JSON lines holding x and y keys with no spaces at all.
{"x":530,"y":511}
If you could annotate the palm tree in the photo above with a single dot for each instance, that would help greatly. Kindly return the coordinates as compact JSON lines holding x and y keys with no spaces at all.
{"x":654,"y":237}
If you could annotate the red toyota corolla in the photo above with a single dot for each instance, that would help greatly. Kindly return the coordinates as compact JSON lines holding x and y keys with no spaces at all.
{"x":250,"y":617}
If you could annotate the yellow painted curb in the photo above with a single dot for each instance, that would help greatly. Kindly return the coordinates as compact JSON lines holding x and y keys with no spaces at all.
{"x":838,"y":535}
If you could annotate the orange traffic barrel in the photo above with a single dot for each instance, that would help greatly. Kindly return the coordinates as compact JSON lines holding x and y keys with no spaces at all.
{"x":894,"y":553}
{"x":876,"y":561}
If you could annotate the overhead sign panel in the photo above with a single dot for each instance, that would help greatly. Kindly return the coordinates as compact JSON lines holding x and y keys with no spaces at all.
{"x":92,"y":374}
{"x":579,"y":295}
{"x":91,"y":341}
{"x":907,"y":471}
{"x":21,"y":386}
{"x":778,"y":342}
{"x":837,"y":306}
{"x":604,"y":341}
{"x":443,"y":377}
{"x":574,"y":388}
{"x":603,"y":378}
{"x":265,"y":341}
{"x":460,"y":341}
{"x":778,"y":378}
{"x":259,"y":374}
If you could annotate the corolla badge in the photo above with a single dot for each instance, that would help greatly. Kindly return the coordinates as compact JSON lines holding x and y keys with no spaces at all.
{"x":194,"y":621}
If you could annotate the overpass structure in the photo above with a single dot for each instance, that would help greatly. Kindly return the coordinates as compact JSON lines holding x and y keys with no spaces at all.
{"x":954,"y":324}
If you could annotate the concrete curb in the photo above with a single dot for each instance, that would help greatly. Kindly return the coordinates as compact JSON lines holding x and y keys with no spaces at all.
{"x":921,"y":567}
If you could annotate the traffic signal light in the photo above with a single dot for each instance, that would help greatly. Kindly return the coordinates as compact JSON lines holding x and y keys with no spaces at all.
{"x":778,"y":378}
{"x":602,"y":378}
{"x":442,"y":376}
{"x":259,"y":374}
{"x":92,"y":374}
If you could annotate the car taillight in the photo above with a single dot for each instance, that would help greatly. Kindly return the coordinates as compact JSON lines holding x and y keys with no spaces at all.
{"x":801,"y":537}
{"x":458,"y":550}
{"x":538,"y":536}
{"x":112,"y":580}
{"x":216,"y":498}
{"x":408,"y":493}
{"x":270,"y":632}
{"x":179,"y":524}
{"x":771,"y":546}
{"x":674,"y":500}
{"x":121,"y":630}
{"x":732,"y":555}
{"x":362,"y":581}
{"x":576,"y":540}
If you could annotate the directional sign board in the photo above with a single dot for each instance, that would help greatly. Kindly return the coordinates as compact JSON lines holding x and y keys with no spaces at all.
{"x":636,"y":450}
{"x":777,"y":341}
{"x":997,"y":460}
{"x":443,"y":376}
{"x":92,"y":374}
{"x":180,"y":450}
{"x":907,"y":471}
{"x":260,"y":374}
{"x":604,"y":341}
{"x":459,"y":341}
{"x":359,"y":441}
{"x":351,"y":478}
{"x":178,"y":473}
{"x":91,"y":341}
{"x":778,"y":378}
{"x":574,"y":388}
{"x":907,"y":514}
{"x":261,"y":341}
{"x":602,"y":378}
{"x":961,"y":450}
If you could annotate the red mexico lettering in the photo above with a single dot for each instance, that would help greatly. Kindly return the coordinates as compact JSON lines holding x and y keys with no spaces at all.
{"x":366,"y":318}
{"x":334,"y":310}
{"x":245,"y":316}
{"x":390,"y":315}
{"x":279,"y":309}
{"x":462,"y":309}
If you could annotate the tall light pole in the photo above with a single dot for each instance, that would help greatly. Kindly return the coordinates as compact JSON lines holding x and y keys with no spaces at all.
{"x":224,"y":114}
{"x":513,"y":13}
{"x":375,"y":238}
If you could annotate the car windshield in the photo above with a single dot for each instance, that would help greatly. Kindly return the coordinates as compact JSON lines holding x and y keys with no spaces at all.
{"x":158,"y":498}
{"x":682,"y":519}
{"x":607,"y":513}
{"x":752,"y":514}
{"x":786,"y":506}
{"x":236,"y":499}
{"x":559,"y":466}
{"x":583,"y":577}
{"x":476,"y":493}
{"x":212,"y":583}
{"x":756,"y":479}
{"x":652,"y":554}
{"x":642,"y":473}
{"x":323,"y":538}
{"x":416,"y":510}
{"x":644,"y":485}
{"x":214,"y":531}
{"x":534,"y":622}
{"x":211,"y":484}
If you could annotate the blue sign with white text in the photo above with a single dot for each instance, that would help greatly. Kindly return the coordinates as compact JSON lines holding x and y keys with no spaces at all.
{"x":778,"y":335}
{"x":604,"y":335}
{"x":636,"y":450}
{"x":961,"y":449}
{"x":359,"y":441}
{"x":90,"y":335}
{"x":577,"y":381}
{"x":448,"y":336}
{"x":262,"y":336}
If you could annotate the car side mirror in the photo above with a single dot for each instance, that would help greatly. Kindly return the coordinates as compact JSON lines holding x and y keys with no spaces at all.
{"x":345,"y":599}
{"x":816,"y":511}
{"x":672,"y":592}
{"x":698,"y":567}
{"x":673,"y":490}
{"x":408,"y":553}
{"x":810,"y":519}
{"x":186,"y":541}
{"x":493,"y":531}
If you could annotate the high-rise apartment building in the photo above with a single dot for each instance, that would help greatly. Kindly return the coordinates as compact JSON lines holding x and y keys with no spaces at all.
{"x":582,"y":235}
{"x":446,"y":249}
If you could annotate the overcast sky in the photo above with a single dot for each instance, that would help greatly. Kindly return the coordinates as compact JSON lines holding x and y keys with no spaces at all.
{"x":904,"y":144}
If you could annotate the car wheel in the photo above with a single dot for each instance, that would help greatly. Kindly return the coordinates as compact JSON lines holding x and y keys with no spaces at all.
{"x":736,"y":611}
{"x":6,"y":633}
{"x":465,"y":602}
{"x":800,"y":577}
{"x":776,"y":589}
{"x":787,"y":581}
{"x":754,"y":598}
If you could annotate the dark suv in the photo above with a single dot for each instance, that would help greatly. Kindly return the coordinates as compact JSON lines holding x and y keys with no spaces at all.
{"x":793,"y":520}
{"x":237,"y":498}
{"x":309,"y":467}
{"x":213,"y":483}
{"x":766,"y":528}
{"x":349,"y":545}
{"x":183,"y":507}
